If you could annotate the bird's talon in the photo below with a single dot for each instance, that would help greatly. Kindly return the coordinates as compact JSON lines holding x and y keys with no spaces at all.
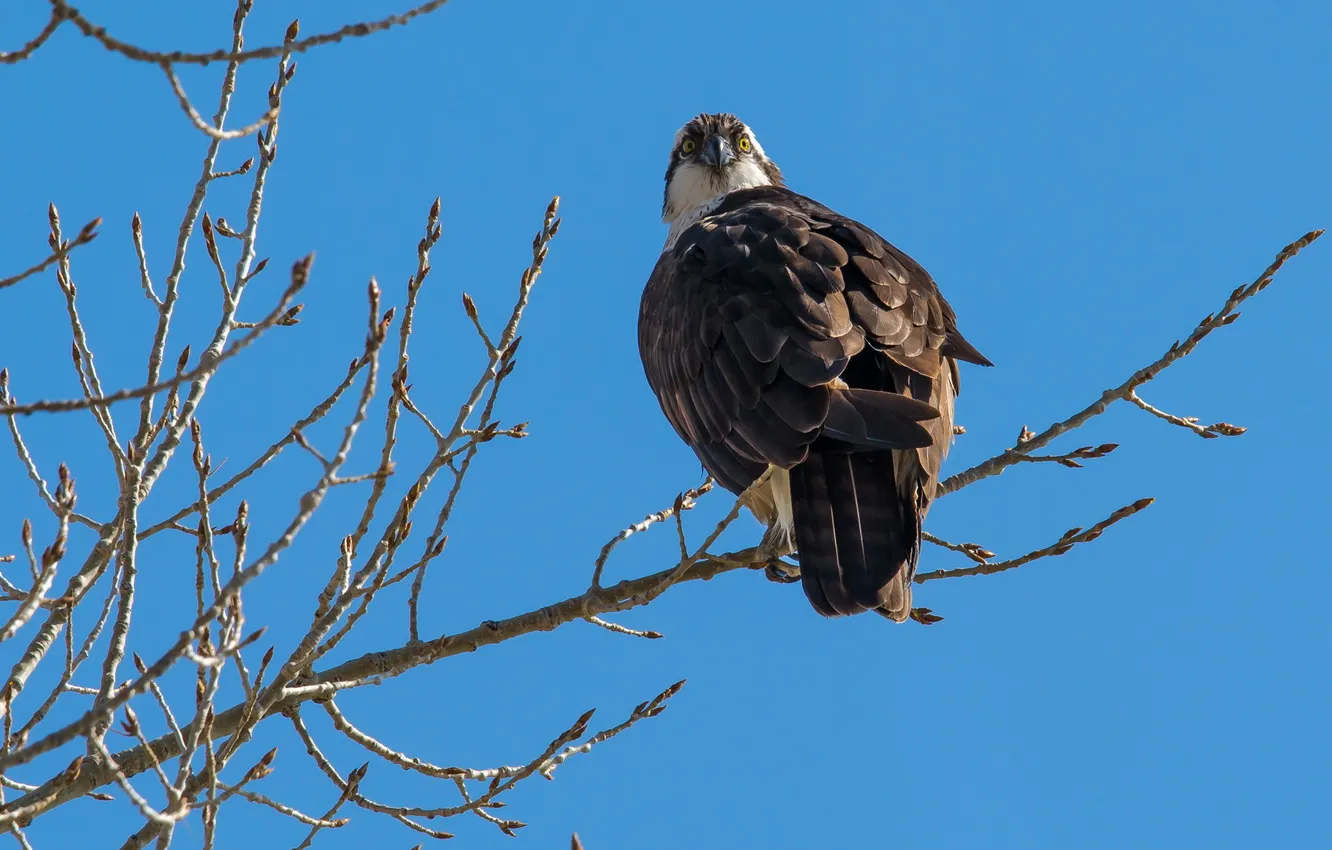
{"x":925,"y":616}
{"x":781,"y":572}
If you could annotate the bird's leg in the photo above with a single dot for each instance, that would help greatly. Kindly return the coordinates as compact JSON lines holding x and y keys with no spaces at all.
{"x":775,"y":545}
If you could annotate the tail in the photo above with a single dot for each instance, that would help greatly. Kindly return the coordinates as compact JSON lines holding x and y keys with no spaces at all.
{"x":857,"y":536}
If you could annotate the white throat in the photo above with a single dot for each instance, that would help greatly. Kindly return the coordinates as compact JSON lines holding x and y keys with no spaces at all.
{"x":695,"y":191}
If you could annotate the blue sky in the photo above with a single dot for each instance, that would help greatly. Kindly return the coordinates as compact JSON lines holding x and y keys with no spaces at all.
{"x":1084,"y":181}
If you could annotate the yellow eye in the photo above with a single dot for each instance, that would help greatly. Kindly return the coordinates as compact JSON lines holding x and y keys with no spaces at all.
{"x":689,"y":146}
{"x":743,"y":144}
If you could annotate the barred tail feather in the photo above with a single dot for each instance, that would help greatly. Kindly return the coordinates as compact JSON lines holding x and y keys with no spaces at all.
{"x":857,"y":538}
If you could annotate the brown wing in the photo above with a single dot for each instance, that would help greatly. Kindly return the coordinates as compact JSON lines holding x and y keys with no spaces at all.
{"x":775,"y":323}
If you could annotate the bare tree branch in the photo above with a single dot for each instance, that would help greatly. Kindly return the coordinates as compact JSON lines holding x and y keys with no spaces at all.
{"x":319,"y":412}
{"x":197,"y":120}
{"x":1066,"y":541}
{"x":14,"y":57}
{"x":208,"y":364}
{"x":1219,"y":429}
{"x":685,"y":503}
{"x":87,"y":234}
{"x":974,"y":551}
{"x":391,"y":663}
{"x":235,"y":54}
{"x":166,"y":309}
{"x":201,"y":751}
{"x":1176,"y":352}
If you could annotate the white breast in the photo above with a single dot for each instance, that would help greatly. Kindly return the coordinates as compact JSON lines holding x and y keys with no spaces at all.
{"x":695,"y":191}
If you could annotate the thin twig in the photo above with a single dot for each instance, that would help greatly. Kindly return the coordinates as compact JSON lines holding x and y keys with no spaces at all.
{"x":16,"y":56}
{"x":1178,"y":351}
{"x":207,"y":366}
{"x":317,"y":413}
{"x":353,"y":781}
{"x":166,"y":309}
{"x":651,"y":519}
{"x":267,"y":145}
{"x":132,"y":725}
{"x":235,"y":54}
{"x":162,"y":704}
{"x":349,"y":786}
{"x":136,"y":229}
{"x":144,"y":807}
{"x":1070,"y":459}
{"x":72,"y":662}
{"x":974,"y":551}
{"x":1067,"y":541}
{"x":86,"y":235}
{"x":643,"y":710}
{"x":29,"y":464}
{"x":500,"y":363}
{"x":293,"y":813}
{"x":1209,"y":432}
{"x":197,"y":120}
{"x":688,"y":561}
{"x":50,"y":560}
{"x":624,"y":630}
{"x":84,"y":364}
{"x":93,"y":567}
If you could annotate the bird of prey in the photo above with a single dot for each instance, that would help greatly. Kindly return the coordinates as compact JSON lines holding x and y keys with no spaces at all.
{"x":777,"y":334}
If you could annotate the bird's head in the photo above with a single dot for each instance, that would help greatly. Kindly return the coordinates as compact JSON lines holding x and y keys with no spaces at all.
{"x":714,"y":154}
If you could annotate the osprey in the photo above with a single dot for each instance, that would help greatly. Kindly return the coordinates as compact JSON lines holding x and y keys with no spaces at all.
{"x":777,"y":334}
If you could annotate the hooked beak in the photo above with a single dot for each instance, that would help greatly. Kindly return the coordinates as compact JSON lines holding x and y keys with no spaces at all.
{"x":717,"y":152}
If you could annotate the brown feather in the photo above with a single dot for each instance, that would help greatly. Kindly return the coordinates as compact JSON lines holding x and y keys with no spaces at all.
{"x":776,"y":332}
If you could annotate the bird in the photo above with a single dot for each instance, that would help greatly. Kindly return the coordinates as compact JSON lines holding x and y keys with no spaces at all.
{"x":795,"y":347}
